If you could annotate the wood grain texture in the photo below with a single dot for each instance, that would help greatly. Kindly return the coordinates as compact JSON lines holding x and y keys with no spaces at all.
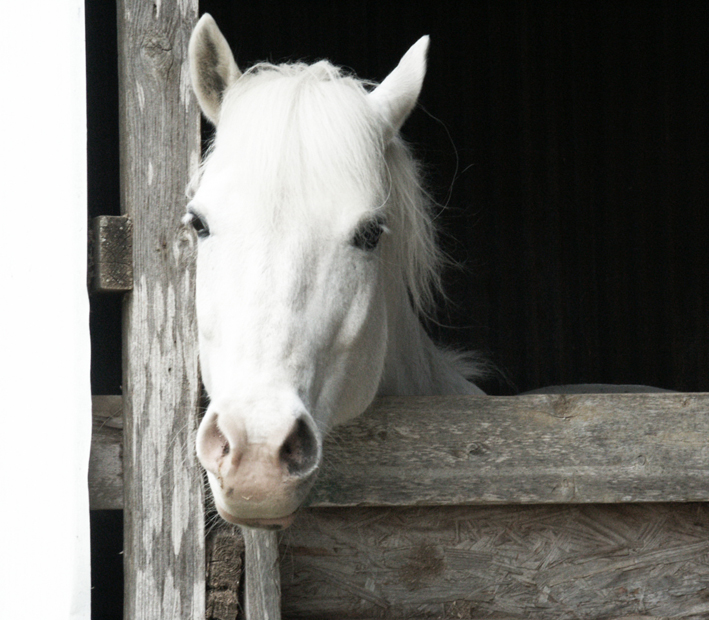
{"x":159,"y":148}
{"x":522,"y":562}
{"x":263,"y":579}
{"x":482,"y":450}
{"x":106,"y":459}
{"x":520,"y":450}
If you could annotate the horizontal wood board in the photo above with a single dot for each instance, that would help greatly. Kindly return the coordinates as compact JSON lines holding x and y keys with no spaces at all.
{"x":523,"y":562}
{"x":487,"y":450}
{"x":520,"y":450}
{"x":591,"y":562}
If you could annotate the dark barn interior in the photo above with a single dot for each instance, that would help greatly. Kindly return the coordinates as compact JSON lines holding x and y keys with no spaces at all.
{"x":569,"y":145}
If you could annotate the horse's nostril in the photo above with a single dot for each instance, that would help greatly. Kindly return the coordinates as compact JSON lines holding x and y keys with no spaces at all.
{"x":299,"y":452}
{"x":212,"y":445}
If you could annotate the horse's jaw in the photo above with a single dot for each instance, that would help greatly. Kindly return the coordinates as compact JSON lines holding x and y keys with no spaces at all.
{"x":244,"y":498}
{"x":279,"y":523}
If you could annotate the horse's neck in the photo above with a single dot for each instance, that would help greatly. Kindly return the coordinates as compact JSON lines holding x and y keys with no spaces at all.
{"x":414,"y":365}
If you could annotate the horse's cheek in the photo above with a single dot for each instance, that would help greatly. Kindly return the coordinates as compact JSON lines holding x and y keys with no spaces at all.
{"x":368,"y":345}
{"x":361,"y":307}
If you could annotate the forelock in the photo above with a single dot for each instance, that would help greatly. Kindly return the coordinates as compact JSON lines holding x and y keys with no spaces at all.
{"x":297,"y":128}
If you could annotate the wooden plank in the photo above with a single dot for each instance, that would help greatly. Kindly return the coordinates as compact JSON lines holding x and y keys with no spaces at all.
{"x":229,"y":548}
{"x":263,"y":580}
{"x":159,"y":148}
{"x":521,"y":449}
{"x":534,"y":562}
{"x":106,"y":462}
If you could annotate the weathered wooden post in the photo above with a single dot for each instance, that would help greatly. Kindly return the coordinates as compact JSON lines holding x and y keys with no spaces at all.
{"x":159,"y":146}
{"x":262,"y":575}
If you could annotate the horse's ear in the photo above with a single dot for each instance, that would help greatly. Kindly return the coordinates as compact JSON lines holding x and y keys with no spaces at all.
{"x":396,"y":96}
{"x":212,"y":66}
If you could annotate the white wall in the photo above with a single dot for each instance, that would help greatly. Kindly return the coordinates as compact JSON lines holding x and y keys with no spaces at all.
{"x":45,"y":402}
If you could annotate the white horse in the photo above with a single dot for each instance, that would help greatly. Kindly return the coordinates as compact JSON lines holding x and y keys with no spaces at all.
{"x":316,"y":258}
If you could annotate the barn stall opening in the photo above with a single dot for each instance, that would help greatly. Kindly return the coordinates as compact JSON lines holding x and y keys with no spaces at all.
{"x":569,"y":145}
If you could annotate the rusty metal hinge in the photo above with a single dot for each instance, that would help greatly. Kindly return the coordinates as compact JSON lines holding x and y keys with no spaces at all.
{"x":111,"y":254}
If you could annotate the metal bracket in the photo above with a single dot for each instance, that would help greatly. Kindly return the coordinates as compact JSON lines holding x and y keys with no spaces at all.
{"x":111,"y":254}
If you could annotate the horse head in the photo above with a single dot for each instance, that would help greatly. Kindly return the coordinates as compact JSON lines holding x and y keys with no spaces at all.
{"x":293,"y":213}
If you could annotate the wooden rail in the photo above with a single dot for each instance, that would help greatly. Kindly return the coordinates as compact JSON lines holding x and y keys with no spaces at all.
{"x":619,"y":448}
{"x":459,"y":453}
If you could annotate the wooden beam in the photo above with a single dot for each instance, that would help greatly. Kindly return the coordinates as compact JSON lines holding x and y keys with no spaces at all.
{"x":263,"y":576}
{"x":521,"y":450}
{"x":159,"y":147}
{"x":516,"y":450}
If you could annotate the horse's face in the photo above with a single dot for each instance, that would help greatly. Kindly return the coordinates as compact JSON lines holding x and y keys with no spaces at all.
{"x":292,"y":334}
{"x":290,"y":306}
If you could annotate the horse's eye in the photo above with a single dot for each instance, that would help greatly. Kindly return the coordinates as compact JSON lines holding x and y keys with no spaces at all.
{"x":200,"y":226}
{"x":198,"y":223}
{"x":367,"y":236}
